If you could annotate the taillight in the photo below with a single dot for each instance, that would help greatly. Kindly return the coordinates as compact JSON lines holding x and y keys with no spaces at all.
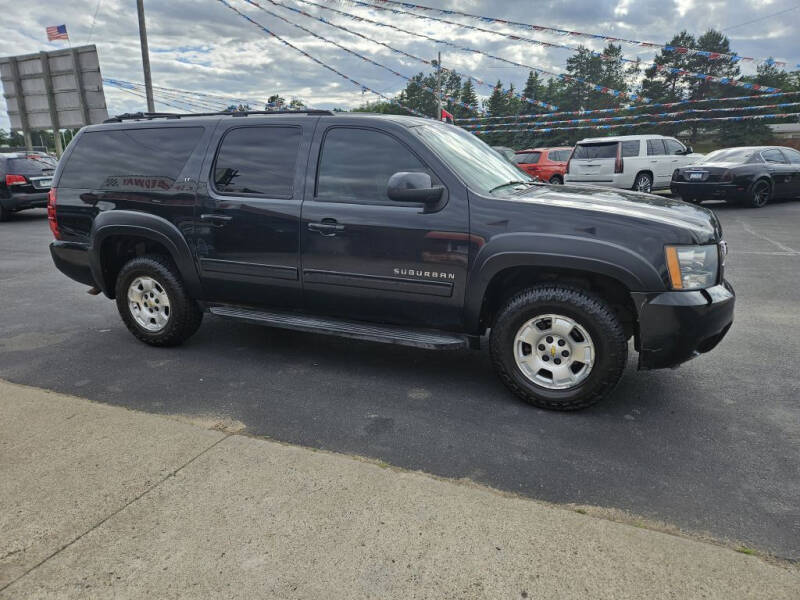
{"x":51,"y":213}
{"x":618,"y":164}
{"x":15,"y":180}
{"x":569,"y":160}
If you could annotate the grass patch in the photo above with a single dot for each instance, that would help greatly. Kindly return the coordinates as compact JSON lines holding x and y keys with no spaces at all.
{"x":746,"y":550}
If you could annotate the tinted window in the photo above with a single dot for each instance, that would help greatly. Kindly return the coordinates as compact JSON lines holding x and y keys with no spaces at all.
{"x":559,"y":155}
{"x":631,"y":148}
{"x":733,"y":155}
{"x":792,"y":155}
{"x":773,"y":156}
{"x":30,"y":166}
{"x":356,"y":164}
{"x":258,"y":160}
{"x":528,"y":158}
{"x":674,"y":147}
{"x":130,"y":159}
{"x":655,"y":147}
{"x":603,"y":150}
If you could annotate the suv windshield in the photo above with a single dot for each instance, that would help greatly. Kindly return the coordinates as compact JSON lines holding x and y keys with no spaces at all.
{"x":597,"y":150}
{"x":31,"y":165}
{"x":480,"y":167}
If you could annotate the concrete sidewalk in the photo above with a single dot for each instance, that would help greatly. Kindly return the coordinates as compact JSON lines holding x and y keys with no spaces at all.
{"x":99,"y":502}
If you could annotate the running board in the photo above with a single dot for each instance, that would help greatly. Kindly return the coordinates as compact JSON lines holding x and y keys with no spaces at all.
{"x":387,"y":334}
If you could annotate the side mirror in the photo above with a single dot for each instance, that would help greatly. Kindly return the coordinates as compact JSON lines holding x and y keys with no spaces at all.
{"x":689,"y":150}
{"x":413,"y":187}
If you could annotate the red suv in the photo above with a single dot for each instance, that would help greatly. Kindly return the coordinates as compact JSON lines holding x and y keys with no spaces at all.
{"x":548,"y":164}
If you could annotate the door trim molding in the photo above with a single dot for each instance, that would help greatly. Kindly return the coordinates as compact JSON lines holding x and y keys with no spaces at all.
{"x":215,"y":266}
{"x":378,"y":282}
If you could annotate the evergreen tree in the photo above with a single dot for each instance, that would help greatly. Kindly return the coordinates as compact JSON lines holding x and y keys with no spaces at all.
{"x":468,"y":96}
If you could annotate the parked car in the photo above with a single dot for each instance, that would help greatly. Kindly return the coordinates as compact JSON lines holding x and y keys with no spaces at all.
{"x":391,"y":229}
{"x":751,"y":175}
{"x":637,"y":162}
{"x":548,"y":164}
{"x":24,"y":181}
{"x":506,"y":152}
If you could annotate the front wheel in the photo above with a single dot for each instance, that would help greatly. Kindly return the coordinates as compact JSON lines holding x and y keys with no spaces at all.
{"x":643,"y":183}
{"x":153,"y":302}
{"x":558,"y":347}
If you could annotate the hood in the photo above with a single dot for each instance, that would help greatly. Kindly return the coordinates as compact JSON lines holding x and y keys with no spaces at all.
{"x":649,"y":207}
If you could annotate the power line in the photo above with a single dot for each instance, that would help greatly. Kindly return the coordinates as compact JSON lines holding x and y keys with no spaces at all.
{"x":761,"y":18}
{"x":319,"y":62}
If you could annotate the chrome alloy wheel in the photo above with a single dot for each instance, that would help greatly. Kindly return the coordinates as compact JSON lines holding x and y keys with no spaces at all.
{"x":149,"y":303}
{"x":643,"y":184}
{"x":554,"y":351}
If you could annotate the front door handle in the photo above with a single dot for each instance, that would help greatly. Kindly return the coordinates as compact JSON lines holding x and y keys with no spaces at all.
{"x":216,"y":218}
{"x":327,"y":227}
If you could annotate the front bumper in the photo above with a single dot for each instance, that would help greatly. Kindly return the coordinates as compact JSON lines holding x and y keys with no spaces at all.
{"x":708,"y":191}
{"x":677,"y":326}
{"x":22,"y":201}
{"x":72,"y":259}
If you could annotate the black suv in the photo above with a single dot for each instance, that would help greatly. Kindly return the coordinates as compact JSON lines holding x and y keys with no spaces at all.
{"x":386,"y":228}
{"x":24,"y":181}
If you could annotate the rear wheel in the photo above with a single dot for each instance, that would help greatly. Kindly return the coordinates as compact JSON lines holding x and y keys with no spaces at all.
{"x":691,"y":199}
{"x":760,"y":194}
{"x":558,"y":347}
{"x":556,"y":180}
{"x":5,"y":214}
{"x":153,"y":302}
{"x":643,"y":183}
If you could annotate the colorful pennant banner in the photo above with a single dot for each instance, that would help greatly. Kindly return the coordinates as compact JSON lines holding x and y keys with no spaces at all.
{"x":363,"y":87}
{"x":648,"y":123}
{"x":565,"y":32}
{"x":639,"y":64}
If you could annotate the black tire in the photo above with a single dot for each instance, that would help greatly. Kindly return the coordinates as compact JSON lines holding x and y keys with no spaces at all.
{"x":185,"y":315}
{"x":691,"y":199}
{"x":556,"y":180}
{"x":5,"y":214}
{"x":591,"y":313}
{"x":760,"y":194}
{"x":643,"y":183}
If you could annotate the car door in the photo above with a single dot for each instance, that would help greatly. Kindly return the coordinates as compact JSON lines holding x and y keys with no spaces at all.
{"x":247,"y":223}
{"x":793,"y":156}
{"x":367,"y":257}
{"x":659,"y":163}
{"x":677,"y":155}
{"x":780,"y":170}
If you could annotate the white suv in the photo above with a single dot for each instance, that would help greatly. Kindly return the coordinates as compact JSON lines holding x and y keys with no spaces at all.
{"x":638,"y":162}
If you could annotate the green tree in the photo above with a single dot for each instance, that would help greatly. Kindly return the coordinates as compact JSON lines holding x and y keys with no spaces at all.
{"x":469,"y":97}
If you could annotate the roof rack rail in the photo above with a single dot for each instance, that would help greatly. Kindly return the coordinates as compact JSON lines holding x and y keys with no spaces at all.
{"x":237,"y":113}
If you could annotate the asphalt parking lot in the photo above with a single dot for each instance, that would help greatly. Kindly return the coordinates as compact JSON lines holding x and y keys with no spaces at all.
{"x":712,"y":447}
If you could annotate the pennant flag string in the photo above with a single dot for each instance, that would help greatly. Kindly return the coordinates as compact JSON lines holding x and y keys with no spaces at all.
{"x":648,"y":123}
{"x":568,"y":33}
{"x":622,"y":108}
{"x":404,"y":53}
{"x":639,"y":64}
{"x":365,"y":58}
{"x":593,"y":86}
{"x":363,"y":87}
{"x":644,"y":116}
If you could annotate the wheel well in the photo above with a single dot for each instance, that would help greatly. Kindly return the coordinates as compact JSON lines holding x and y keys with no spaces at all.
{"x":509,"y":282}
{"x":647,"y":172}
{"x":116,"y":250}
{"x":557,"y":176}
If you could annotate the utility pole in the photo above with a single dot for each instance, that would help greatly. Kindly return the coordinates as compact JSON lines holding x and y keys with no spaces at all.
{"x":439,"y":87}
{"x":148,"y":82}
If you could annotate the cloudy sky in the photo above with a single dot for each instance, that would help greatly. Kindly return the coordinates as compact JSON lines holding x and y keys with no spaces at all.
{"x":201,"y":45}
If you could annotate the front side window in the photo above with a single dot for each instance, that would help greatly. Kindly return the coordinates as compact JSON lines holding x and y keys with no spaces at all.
{"x":674,"y":146}
{"x":559,"y":155}
{"x":527,"y":158}
{"x":356,"y":164}
{"x":146,"y":159}
{"x":655,"y":148}
{"x":631,"y":148}
{"x":792,"y":155}
{"x":773,"y":156}
{"x":258,"y":160}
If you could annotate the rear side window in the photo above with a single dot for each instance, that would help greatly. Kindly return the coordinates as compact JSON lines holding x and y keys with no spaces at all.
{"x":773,"y":156}
{"x":528,"y":158}
{"x":655,"y":148}
{"x":356,"y":164}
{"x":258,"y":160}
{"x":631,"y":148}
{"x":146,"y":159}
{"x":590,"y":151}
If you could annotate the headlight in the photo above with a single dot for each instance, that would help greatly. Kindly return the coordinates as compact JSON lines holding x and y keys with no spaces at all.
{"x":692,"y":267}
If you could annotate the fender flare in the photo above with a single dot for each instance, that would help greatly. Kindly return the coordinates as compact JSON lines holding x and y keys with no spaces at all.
{"x":144,"y":225}
{"x":555,"y":251}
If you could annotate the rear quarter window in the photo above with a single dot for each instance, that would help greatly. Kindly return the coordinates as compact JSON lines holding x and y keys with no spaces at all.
{"x":144,"y":159}
{"x":596,"y":150}
{"x":631,"y":148}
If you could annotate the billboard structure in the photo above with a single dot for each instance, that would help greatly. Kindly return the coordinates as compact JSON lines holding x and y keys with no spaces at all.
{"x":53,"y":90}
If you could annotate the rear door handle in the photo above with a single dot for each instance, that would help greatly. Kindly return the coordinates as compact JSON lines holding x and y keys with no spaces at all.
{"x":216,"y":218}
{"x":326,"y":227}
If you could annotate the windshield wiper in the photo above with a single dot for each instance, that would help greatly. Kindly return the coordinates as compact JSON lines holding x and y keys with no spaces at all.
{"x":507,"y":183}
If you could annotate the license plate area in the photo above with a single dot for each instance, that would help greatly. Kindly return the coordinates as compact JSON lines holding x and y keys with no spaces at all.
{"x":697,"y":176}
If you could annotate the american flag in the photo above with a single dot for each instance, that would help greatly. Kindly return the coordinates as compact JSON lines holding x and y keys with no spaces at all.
{"x":57,"y":32}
